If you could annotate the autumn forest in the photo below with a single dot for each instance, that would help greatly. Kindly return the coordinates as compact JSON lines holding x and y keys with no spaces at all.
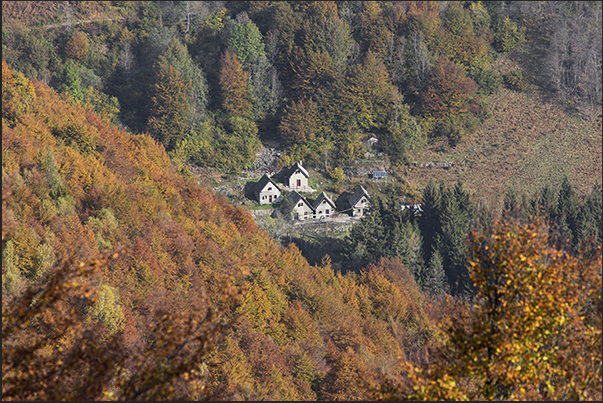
{"x":127,"y":277}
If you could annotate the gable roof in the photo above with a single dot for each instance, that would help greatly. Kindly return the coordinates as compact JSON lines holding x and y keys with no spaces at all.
{"x":296,"y":197}
{"x":295,"y":167}
{"x":357,"y":195}
{"x":322,"y":196}
{"x":261,"y":184}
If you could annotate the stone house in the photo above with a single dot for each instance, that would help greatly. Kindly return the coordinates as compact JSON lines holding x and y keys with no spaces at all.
{"x":266,"y":191}
{"x":323,"y":206}
{"x":296,"y":178}
{"x":301,"y":208}
{"x":358,"y":203}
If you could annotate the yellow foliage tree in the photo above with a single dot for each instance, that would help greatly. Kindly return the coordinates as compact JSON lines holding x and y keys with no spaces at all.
{"x":534,"y":332}
{"x":77,"y":47}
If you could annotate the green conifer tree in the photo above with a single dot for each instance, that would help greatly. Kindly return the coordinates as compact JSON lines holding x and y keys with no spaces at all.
{"x":429,"y":221}
{"x":433,"y":279}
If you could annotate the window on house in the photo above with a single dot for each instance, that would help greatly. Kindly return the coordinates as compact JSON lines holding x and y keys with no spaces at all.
{"x":269,"y":189}
{"x":299,"y":204}
{"x":299,"y":182}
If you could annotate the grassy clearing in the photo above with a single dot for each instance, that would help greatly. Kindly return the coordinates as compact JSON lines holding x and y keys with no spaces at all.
{"x":526,"y":143}
{"x":257,"y":206}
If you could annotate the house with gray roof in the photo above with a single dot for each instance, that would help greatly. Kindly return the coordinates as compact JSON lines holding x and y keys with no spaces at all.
{"x":296,"y":178}
{"x":357,"y":203}
{"x":301,"y":207}
{"x":323,"y":206}
{"x":266,"y":191}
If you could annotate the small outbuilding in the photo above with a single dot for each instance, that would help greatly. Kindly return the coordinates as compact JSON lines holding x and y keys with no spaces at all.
{"x":266,"y":191}
{"x":379,"y":175}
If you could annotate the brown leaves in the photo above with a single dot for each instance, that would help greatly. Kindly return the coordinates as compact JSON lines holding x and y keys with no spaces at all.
{"x":77,"y":47}
{"x":45,"y":341}
{"x":301,"y":122}
{"x":51,"y":352}
{"x":449,"y":91}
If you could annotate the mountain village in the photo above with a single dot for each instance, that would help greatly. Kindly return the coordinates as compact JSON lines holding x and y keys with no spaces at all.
{"x":300,"y":207}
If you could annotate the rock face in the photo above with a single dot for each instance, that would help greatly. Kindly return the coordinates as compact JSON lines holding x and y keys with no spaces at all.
{"x":266,"y":158}
{"x":354,"y":171}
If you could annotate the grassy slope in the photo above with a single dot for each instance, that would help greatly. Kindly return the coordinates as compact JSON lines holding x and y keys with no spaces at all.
{"x":527,"y":142}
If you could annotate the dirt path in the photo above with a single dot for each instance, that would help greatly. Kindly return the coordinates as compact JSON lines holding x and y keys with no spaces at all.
{"x":68,"y":24}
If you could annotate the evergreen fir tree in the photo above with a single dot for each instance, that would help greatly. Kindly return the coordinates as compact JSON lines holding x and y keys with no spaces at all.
{"x":429,"y":219}
{"x":454,"y":230}
{"x":510,"y":204}
{"x":589,"y":220}
{"x":364,"y":241}
{"x":433,"y":279}
{"x":565,"y":213}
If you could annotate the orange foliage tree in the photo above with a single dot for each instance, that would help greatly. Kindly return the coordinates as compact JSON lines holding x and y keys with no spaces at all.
{"x":312,"y":71}
{"x":77,"y":47}
{"x":300,"y":123}
{"x":234,"y":83}
{"x":51,"y":350}
{"x":449,"y":91}
{"x":369,"y":92}
{"x":372,"y":32}
{"x":18,"y":94}
{"x":424,"y":16}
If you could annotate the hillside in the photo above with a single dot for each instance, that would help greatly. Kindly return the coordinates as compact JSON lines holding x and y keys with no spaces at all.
{"x":134,"y":267}
{"x":526,"y":144}
{"x":299,"y":75}
{"x":75,"y":187}
{"x":529,"y":140}
{"x":198,"y":302}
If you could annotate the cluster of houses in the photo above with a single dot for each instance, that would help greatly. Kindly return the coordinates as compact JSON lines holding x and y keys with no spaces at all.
{"x":266,"y":191}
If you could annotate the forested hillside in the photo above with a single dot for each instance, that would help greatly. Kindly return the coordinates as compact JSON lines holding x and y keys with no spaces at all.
{"x":124,"y":278}
{"x":75,"y":188}
{"x":209,"y":80}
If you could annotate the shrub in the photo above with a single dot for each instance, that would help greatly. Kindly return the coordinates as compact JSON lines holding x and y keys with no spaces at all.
{"x":515,"y":80}
{"x":488,"y":82}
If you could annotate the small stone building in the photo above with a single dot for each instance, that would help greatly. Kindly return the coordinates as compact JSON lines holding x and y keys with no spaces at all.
{"x":296,"y":178}
{"x":301,"y":208}
{"x":266,"y":191}
{"x":323,"y":206}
